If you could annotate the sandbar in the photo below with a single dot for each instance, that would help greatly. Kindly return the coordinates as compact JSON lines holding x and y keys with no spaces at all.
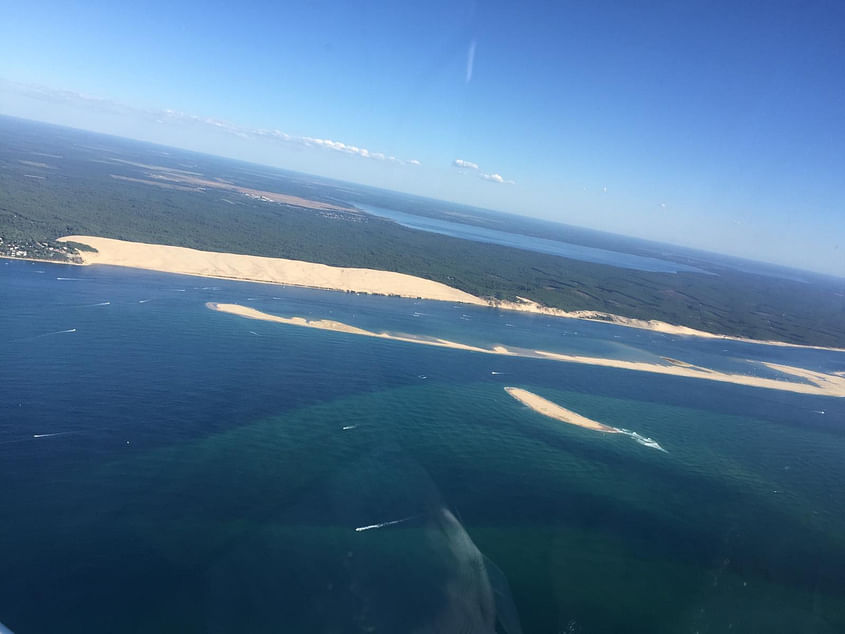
{"x":553,"y":410}
{"x":253,"y":268}
{"x":812,"y":382}
{"x":528,"y":306}
{"x":171,"y":259}
{"x":337,"y":326}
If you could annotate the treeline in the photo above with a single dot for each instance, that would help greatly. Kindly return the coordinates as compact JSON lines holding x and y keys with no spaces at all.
{"x":77,"y":194}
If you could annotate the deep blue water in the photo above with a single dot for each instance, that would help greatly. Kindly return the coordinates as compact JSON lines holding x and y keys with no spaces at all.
{"x":167,"y":468}
{"x":530,"y":243}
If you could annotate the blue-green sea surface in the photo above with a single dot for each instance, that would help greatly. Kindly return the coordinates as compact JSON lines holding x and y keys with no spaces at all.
{"x":168,"y":468}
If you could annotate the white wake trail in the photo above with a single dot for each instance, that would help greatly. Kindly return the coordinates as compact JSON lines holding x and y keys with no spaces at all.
{"x":361,"y":529}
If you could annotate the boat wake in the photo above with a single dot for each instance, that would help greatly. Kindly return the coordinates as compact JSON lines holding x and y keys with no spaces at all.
{"x":361,"y":529}
{"x":643,"y":440}
{"x":58,"y":332}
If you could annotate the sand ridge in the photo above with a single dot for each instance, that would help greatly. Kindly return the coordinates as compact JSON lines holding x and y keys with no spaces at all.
{"x":253,"y":268}
{"x":816,"y":383}
{"x":171,"y":259}
{"x":528,"y":306}
{"x":553,"y":410}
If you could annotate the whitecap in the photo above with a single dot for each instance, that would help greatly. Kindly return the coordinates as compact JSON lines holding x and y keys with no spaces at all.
{"x":643,"y":440}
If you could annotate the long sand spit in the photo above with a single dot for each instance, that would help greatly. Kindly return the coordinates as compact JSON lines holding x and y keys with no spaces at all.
{"x":804,"y":381}
{"x":528,"y":306}
{"x":253,"y":268}
{"x":553,"y":410}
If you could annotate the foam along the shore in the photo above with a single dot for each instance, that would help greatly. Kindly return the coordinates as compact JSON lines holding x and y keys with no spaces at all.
{"x":169,"y":259}
{"x":815,"y":383}
{"x":553,"y":410}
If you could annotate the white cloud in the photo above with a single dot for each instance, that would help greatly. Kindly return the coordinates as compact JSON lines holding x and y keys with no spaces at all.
{"x":496,"y":178}
{"x":468,"y":165}
{"x":492,"y":177}
{"x":170,"y":117}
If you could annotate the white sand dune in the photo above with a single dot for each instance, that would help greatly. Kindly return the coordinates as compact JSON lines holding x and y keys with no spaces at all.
{"x":253,"y":268}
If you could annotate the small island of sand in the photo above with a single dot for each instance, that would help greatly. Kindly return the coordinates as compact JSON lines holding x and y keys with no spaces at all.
{"x":553,"y":410}
{"x":809,"y":381}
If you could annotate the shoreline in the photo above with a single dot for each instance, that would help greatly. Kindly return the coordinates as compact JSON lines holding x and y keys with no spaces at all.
{"x":817,"y":383}
{"x":553,"y":410}
{"x":285,"y":272}
{"x":254,"y":268}
{"x":12,"y":257}
{"x":652,"y":325}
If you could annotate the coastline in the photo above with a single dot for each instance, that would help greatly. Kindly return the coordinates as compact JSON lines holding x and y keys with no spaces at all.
{"x":653,"y":325}
{"x":253,"y":268}
{"x":280,"y":271}
{"x":817,"y":383}
{"x":45,"y":260}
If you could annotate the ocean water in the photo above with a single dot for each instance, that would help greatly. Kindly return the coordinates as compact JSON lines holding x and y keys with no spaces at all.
{"x":530,"y":243}
{"x":167,"y":468}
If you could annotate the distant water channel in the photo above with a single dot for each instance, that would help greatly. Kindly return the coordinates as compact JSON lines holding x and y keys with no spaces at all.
{"x":530,"y":243}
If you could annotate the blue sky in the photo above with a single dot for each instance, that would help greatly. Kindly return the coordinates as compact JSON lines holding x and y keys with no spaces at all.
{"x":716,"y":125}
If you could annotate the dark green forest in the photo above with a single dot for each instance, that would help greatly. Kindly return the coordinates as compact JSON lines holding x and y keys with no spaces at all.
{"x":56,"y":182}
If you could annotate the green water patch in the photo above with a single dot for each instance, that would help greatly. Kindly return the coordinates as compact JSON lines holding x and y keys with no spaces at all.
{"x":592,"y":531}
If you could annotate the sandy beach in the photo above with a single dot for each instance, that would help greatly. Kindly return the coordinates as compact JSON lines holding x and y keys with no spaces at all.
{"x":252,"y":268}
{"x":528,"y":306}
{"x":816,"y":383}
{"x":553,"y":410}
{"x":169,"y":259}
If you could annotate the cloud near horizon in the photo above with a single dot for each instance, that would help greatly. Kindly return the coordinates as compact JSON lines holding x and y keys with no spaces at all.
{"x":492,"y":177}
{"x":496,"y":178}
{"x":462,"y":164}
{"x":165,"y":116}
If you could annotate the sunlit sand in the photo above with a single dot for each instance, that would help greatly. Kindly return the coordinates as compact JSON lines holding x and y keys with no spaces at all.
{"x":251,"y":268}
{"x":169,"y":259}
{"x":815,"y":383}
{"x":336,"y":326}
{"x":553,"y":410}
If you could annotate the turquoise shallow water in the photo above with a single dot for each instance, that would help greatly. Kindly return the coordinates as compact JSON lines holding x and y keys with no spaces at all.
{"x":191,"y":471}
